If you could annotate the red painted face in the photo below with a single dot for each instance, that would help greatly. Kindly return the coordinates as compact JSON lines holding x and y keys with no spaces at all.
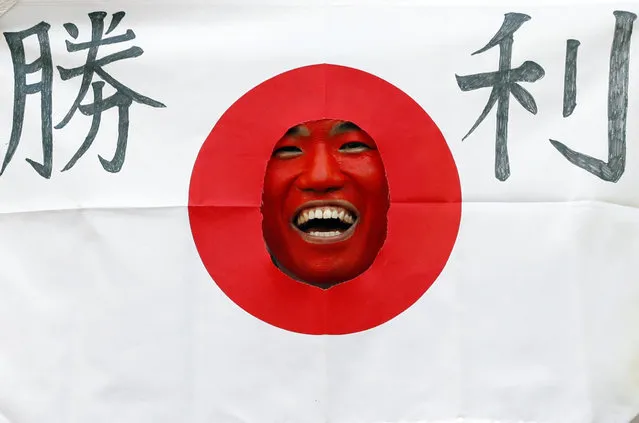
{"x":324,"y":202}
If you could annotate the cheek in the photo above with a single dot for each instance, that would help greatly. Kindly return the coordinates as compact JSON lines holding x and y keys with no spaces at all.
{"x":277,"y":181}
{"x":368,"y":173}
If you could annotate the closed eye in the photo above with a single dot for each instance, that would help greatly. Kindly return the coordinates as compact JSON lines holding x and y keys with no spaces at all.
{"x":287,"y":152}
{"x":354,"y":147}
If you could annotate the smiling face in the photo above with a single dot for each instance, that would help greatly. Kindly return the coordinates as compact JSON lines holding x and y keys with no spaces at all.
{"x":324,"y":203}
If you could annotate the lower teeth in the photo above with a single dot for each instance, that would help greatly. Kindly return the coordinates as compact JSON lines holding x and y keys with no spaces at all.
{"x":325,"y":234}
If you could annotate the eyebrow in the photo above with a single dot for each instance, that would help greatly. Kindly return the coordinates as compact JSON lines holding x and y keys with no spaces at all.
{"x":298,"y":130}
{"x":342,"y":127}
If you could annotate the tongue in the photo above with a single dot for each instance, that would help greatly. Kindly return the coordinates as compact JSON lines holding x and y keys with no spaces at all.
{"x":325,"y":225}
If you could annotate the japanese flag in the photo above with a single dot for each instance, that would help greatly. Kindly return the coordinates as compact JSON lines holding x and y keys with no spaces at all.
{"x":319,"y":211}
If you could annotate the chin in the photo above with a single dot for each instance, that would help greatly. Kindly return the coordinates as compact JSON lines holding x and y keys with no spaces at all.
{"x":325,"y":274}
{"x":324,"y":281}
{"x":322,"y":263}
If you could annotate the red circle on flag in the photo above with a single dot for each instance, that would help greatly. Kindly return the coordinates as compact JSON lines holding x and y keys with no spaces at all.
{"x":226,"y":191}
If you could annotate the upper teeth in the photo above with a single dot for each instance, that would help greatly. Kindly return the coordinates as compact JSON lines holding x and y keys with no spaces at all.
{"x":325,"y":213}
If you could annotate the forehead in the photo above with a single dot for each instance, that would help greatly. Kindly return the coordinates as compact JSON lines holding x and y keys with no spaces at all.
{"x":330,"y":127}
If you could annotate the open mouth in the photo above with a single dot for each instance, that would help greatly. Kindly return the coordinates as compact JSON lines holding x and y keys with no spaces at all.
{"x":326,"y":223}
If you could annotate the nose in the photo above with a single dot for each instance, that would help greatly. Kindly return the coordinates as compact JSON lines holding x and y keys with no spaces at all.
{"x":322,"y":172}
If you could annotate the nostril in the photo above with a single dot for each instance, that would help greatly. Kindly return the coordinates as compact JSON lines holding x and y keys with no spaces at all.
{"x":321,"y":189}
{"x":321,"y":183}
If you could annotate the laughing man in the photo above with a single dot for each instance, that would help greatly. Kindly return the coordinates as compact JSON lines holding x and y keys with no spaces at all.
{"x":324,"y":202}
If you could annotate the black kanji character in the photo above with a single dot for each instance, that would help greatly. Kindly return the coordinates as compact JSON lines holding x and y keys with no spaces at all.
{"x":504,"y":82}
{"x":612,"y":169}
{"x":15,"y":41}
{"x":123,"y":97}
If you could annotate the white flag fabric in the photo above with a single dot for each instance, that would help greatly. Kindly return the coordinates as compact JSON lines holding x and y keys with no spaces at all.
{"x":136,"y":284}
